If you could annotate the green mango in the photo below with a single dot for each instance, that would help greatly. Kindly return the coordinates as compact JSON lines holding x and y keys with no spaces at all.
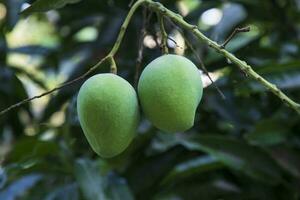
{"x":108,"y":111}
{"x":170,"y":89}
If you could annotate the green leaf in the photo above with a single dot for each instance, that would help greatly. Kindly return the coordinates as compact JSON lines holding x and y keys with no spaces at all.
{"x":89,"y":179}
{"x":13,"y":90}
{"x":46,"y":5}
{"x":118,"y":188}
{"x":144,"y":174}
{"x":32,"y":148}
{"x":66,"y":192}
{"x":237,"y":155}
{"x":267,"y":132}
{"x":288,"y":158}
{"x":97,"y":186}
{"x":3,"y":177}
{"x":192,"y":167}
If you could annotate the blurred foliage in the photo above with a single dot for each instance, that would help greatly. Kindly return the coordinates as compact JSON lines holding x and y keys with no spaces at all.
{"x":246,"y":147}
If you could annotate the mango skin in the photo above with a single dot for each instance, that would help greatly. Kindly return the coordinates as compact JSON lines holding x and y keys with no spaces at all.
{"x":108,"y":111}
{"x":170,"y":89}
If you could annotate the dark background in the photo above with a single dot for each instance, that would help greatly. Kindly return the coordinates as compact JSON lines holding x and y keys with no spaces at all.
{"x":245,"y":147}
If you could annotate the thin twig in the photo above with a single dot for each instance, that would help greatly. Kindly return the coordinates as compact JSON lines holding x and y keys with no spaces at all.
{"x":205,"y":69}
{"x":54,"y":89}
{"x":124,"y":26}
{"x":236,"y":31}
{"x":164,"y":35}
{"x":141,"y":48}
{"x":199,"y":59}
{"x":130,"y":3}
{"x":155,"y":37}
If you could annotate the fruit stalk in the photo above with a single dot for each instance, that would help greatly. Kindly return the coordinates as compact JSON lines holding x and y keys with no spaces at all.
{"x":124,"y":26}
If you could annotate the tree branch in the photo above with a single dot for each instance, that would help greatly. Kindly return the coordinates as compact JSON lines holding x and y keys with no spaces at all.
{"x":164,"y":35}
{"x":124,"y":26}
{"x":141,"y":47}
{"x":236,"y":31}
{"x":158,"y":7}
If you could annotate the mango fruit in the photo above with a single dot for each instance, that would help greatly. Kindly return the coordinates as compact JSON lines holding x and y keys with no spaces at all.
{"x":108,"y":111}
{"x":170,"y":89}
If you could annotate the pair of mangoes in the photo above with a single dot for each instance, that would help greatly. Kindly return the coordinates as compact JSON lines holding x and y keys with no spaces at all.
{"x":169,"y":90}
